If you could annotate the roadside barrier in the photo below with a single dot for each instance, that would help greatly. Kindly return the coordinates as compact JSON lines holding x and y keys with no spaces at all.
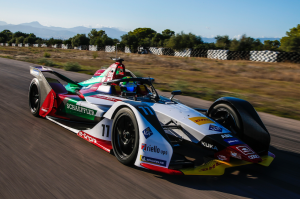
{"x":183,"y":53}
{"x":110,"y":49}
{"x":66,"y":46}
{"x":288,"y":56}
{"x":263,"y":56}
{"x":44,"y":46}
{"x":238,"y":55}
{"x":217,"y":54}
{"x":93,"y":48}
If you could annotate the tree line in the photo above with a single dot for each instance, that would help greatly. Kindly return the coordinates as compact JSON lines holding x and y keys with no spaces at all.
{"x":147,"y":37}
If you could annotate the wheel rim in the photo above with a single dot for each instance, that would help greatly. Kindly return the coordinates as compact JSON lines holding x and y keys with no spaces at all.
{"x":225,"y":118}
{"x":34,"y":98}
{"x":125,"y":136}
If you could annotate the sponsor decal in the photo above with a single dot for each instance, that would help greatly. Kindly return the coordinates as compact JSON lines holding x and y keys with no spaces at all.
{"x":201,"y":120}
{"x":35,"y":72}
{"x":245,"y":150}
{"x":106,"y":98}
{"x":215,"y":128}
{"x":253,"y":157}
{"x":45,"y":109}
{"x":153,"y":161}
{"x":210,"y":168}
{"x":210,"y":146}
{"x":147,"y":132}
{"x":153,"y":149}
{"x":226,"y":136}
{"x":87,"y":137}
{"x":233,"y":141}
{"x":81,"y":109}
{"x":222,"y":157}
{"x":235,"y":155}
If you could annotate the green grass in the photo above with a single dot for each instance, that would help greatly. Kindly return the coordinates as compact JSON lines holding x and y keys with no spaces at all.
{"x":72,"y":66}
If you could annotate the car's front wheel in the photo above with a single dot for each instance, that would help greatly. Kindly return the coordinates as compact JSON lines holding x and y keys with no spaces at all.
{"x":34,"y":97}
{"x":125,"y":136}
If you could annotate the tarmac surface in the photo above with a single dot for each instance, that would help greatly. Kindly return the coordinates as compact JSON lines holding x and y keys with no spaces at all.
{"x":39,"y":159}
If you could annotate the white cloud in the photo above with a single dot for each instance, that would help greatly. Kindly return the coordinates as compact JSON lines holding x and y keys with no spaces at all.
{"x":237,"y":36}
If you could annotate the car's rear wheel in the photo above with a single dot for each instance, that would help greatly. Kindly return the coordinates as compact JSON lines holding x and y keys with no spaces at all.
{"x":228,"y":117}
{"x":34,"y":97}
{"x":125,"y":136}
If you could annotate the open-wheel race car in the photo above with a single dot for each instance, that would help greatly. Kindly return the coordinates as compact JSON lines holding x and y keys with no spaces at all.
{"x":124,"y":115}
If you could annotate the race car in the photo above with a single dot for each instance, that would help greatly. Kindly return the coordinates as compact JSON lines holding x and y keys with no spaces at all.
{"x":124,"y":115}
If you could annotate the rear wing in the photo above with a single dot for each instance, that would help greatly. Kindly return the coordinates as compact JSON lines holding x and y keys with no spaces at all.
{"x":50,"y":86}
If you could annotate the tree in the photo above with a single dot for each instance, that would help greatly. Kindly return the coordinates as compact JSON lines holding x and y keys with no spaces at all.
{"x":182,"y":40}
{"x":223,"y":41}
{"x":80,"y":39}
{"x":245,"y":44}
{"x":53,"y":41}
{"x":100,"y":38}
{"x":19,"y":34}
{"x":6,"y":35}
{"x":30,"y":39}
{"x":143,"y":33}
{"x":131,"y":41}
{"x":271,"y":45}
{"x":68,"y":41}
{"x":291,"y":43}
{"x":20,"y":40}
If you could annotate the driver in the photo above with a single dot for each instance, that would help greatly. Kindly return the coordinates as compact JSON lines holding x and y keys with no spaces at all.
{"x":128,"y":86}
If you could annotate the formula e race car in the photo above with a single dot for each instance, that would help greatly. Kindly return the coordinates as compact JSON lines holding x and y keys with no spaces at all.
{"x":124,"y":115}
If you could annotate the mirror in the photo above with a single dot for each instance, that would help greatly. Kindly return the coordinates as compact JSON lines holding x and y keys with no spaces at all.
{"x":177,"y":92}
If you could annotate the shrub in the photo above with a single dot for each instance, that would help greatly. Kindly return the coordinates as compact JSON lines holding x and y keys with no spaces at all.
{"x":46,"y":62}
{"x":47,"y":55}
{"x":95,"y":55}
{"x":72,"y":66}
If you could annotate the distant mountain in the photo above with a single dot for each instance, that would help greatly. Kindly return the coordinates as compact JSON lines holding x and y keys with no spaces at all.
{"x":2,"y":23}
{"x":57,"y":32}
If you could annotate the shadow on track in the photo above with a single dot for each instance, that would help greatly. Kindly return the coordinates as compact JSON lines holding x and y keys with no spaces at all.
{"x":280,"y":180}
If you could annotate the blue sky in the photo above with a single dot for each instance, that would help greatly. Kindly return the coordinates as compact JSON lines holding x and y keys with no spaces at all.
{"x":264,"y":18}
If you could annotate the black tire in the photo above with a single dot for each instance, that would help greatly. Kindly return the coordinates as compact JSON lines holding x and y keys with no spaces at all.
{"x":125,"y":136}
{"x":228,"y":117}
{"x":34,"y":97}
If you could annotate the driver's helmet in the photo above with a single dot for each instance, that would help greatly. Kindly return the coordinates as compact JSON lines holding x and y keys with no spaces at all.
{"x":128,"y":86}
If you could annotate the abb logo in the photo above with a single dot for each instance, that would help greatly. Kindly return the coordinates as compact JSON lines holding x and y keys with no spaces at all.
{"x":212,"y":167}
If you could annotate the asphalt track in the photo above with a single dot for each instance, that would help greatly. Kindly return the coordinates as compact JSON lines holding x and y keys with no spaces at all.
{"x":39,"y":159}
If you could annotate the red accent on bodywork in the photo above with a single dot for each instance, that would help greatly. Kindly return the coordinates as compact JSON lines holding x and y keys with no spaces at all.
{"x":47,"y":106}
{"x":98,"y":72}
{"x":161,"y":169}
{"x":246,"y":153}
{"x":237,"y":151}
{"x":103,"y":144}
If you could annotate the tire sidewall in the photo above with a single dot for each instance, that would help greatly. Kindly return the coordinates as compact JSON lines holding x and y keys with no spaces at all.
{"x":34,"y":82}
{"x":129,"y":160}
{"x":230,"y":110}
